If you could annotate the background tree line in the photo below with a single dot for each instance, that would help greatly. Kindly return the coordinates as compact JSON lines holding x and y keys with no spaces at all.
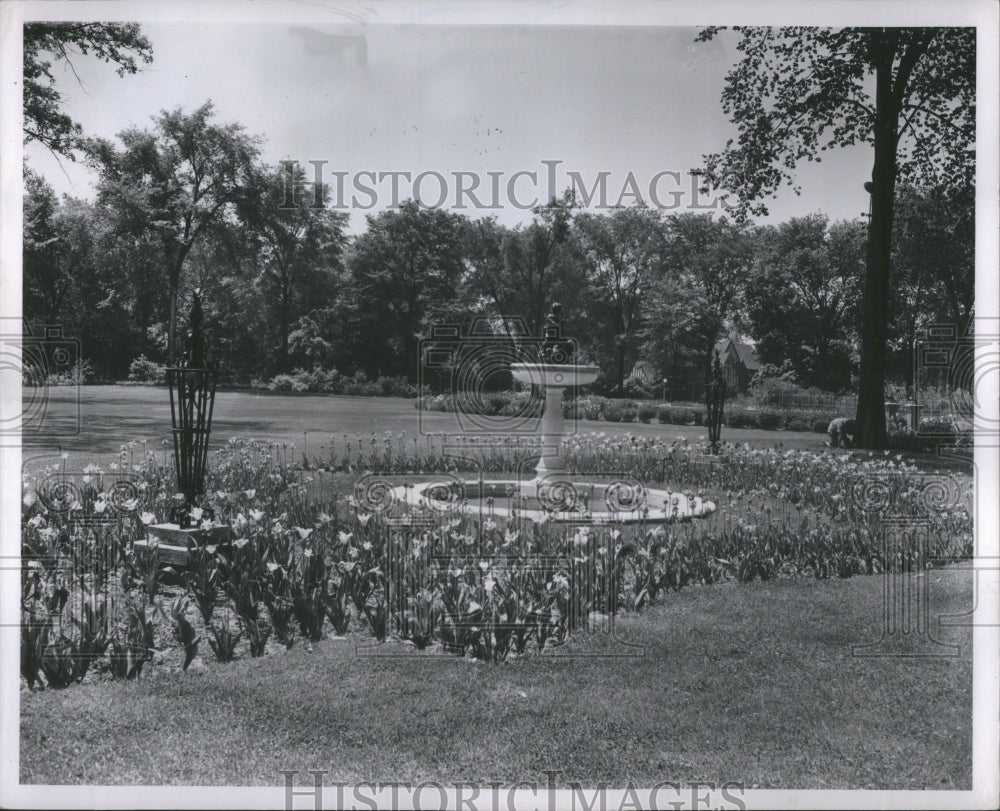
{"x":188,"y":203}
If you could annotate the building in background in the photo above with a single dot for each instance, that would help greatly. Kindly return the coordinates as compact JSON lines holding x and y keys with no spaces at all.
{"x":739,"y":363}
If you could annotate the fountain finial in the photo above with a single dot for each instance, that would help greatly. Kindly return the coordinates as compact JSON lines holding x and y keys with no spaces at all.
{"x":555,"y":349}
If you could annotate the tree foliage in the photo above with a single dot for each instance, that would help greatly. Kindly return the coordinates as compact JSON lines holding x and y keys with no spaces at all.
{"x":405,"y":272}
{"x":933,"y":267}
{"x":520,"y":272}
{"x":803,"y":297}
{"x":47,"y":44}
{"x":287,"y":289}
{"x":712,"y":259}
{"x":799,"y":91}
{"x":175,"y":182}
{"x":299,"y":249}
{"x":624,"y":251}
{"x":796,"y":92}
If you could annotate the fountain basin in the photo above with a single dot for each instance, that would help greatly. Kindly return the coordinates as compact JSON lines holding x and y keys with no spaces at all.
{"x":560,"y":500}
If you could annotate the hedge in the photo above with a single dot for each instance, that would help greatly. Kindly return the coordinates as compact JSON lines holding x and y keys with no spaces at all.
{"x":331,"y":382}
{"x":607,"y":409}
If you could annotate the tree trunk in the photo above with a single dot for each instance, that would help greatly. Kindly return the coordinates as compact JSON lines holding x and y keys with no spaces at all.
{"x":172,"y":326}
{"x":620,"y":360}
{"x":870,"y":415}
{"x":284,"y":325}
{"x":175,"y":264}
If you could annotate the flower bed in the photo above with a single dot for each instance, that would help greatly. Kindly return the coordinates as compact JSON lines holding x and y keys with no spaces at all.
{"x":314,"y":554}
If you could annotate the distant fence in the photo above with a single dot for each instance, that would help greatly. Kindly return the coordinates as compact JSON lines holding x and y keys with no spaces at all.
{"x":828,"y":404}
{"x":932,"y":403}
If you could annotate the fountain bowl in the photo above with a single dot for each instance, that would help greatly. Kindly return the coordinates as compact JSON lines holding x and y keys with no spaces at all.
{"x":552,"y":375}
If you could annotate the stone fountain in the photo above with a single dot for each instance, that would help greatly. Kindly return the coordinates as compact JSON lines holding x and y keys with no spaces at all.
{"x":553,"y":494}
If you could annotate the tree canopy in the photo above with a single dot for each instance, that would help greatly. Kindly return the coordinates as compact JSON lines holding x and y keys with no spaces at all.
{"x":47,"y":44}
{"x":797,"y":92}
{"x":176,"y":181}
{"x":802,"y":299}
{"x":289,"y":289}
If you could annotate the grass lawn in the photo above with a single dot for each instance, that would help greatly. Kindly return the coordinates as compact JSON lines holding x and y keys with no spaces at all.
{"x":90,"y":423}
{"x":752,"y":683}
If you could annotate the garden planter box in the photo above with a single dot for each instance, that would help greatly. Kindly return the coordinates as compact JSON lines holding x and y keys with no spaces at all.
{"x":175,"y":544}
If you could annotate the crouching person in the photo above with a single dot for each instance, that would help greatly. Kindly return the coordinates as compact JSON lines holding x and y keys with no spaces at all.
{"x":841,"y":433}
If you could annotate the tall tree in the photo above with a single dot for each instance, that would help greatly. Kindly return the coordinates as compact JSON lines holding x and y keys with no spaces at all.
{"x":795,"y":92}
{"x":121,"y":44}
{"x":520,"y":272}
{"x":175,"y":182}
{"x":300,"y":250}
{"x":933,"y":266}
{"x":76,"y":274}
{"x":46,"y":284}
{"x":710,"y":259}
{"x":671,"y":305}
{"x":802,"y":298}
{"x":225,"y":264}
{"x":405,"y":273}
{"x":624,"y":249}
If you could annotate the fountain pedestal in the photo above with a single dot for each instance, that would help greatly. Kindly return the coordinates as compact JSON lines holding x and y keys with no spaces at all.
{"x":554,"y":379}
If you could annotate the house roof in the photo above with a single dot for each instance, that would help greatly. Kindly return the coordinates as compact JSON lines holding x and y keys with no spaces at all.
{"x":641,"y":371}
{"x":745,"y":353}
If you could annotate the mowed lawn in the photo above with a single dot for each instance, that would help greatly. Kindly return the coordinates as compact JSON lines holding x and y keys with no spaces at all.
{"x":90,"y":423}
{"x":110,"y":415}
{"x":748,"y":683}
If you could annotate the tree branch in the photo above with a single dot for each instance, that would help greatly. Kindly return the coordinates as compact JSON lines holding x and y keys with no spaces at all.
{"x":920,"y":108}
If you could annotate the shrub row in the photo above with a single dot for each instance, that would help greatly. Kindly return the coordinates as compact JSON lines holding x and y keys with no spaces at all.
{"x":934,"y":432}
{"x":607,"y":409}
{"x":772,"y":419}
{"x":489,"y":404}
{"x":144,"y":370}
{"x":79,"y":373}
{"x":332,"y":382}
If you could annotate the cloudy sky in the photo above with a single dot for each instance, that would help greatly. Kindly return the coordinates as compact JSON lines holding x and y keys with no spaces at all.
{"x":432,"y":98}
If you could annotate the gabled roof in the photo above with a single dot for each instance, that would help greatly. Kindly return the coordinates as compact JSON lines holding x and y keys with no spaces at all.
{"x":641,"y":371}
{"x":748,"y":354}
{"x":745,"y":353}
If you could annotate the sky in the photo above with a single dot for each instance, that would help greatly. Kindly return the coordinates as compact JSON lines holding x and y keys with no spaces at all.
{"x":441,"y":99}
